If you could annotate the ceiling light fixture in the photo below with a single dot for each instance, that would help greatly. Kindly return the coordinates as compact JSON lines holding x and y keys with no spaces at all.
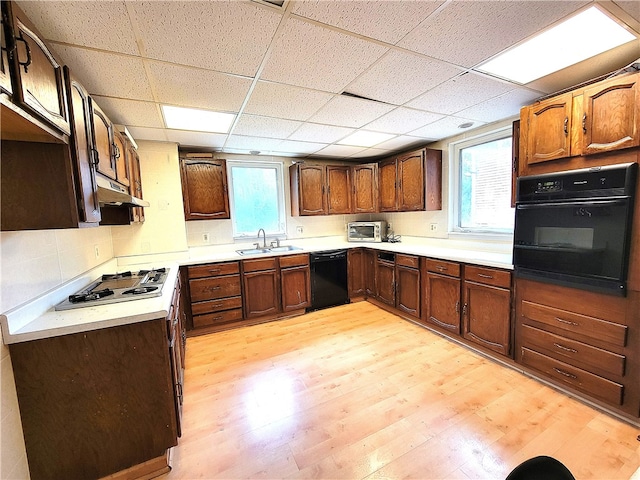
{"x":582,"y":36}
{"x":181,"y":118}
{"x":465,"y":125}
{"x":365,"y":139}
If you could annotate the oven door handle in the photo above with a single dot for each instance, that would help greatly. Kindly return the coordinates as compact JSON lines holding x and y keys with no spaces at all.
{"x":573,"y":203}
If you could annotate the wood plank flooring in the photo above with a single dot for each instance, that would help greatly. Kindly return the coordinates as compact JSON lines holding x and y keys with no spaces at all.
{"x":354,"y":392}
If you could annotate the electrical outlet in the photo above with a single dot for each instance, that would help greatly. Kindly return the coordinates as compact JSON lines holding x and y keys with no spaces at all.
{"x":205,"y":238}
{"x":433,"y":227}
{"x":299,"y":229}
{"x":96,"y":251}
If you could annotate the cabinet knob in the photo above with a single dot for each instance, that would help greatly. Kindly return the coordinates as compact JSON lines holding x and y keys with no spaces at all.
{"x":584,"y":123}
{"x":566,"y":125}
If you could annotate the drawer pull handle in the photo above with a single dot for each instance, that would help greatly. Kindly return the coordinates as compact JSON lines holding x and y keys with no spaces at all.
{"x":213,"y":289}
{"x":566,"y":374}
{"x":218,"y":305}
{"x":484,"y":275}
{"x":214,"y":271}
{"x":440,"y":268}
{"x":567,"y":322}
{"x":566,"y":349}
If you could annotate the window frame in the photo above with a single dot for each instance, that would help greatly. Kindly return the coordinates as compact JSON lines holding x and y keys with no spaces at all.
{"x":279,"y":167}
{"x":454,"y":153}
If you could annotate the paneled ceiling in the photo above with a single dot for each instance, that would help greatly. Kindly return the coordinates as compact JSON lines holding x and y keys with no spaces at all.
{"x":285,"y":70}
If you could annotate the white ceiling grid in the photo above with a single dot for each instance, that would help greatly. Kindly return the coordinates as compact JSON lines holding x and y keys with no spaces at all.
{"x":283,"y":71}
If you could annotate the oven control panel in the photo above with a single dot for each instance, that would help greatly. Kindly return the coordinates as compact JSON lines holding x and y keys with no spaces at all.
{"x":549,"y":186}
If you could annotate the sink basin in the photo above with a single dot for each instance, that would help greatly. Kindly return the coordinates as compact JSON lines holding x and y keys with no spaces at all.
{"x":253,"y":251}
{"x":284,"y":248}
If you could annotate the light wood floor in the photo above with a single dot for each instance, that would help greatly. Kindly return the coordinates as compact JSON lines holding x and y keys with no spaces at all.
{"x":354,"y":392}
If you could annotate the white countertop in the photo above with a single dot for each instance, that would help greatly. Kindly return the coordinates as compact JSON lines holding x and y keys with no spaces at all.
{"x":38,"y":319}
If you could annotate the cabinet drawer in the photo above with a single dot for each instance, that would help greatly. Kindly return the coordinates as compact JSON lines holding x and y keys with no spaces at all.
{"x":213,"y":269}
{"x":575,"y":323}
{"x":587,"y":382}
{"x":218,"y":318}
{"x":573,"y":352}
{"x":216,"y":287}
{"x":488,"y":276}
{"x":407,"y":260}
{"x":210,"y":306}
{"x":259,"y":264}
{"x":297,"y":260}
{"x":446,"y":268}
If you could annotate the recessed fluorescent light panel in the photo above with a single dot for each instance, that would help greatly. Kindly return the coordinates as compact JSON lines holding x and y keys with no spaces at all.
{"x":583,"y":36}
{"x":199,"y":120}
{"x":365,"y":139}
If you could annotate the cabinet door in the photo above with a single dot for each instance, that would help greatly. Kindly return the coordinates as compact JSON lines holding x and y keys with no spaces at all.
{"x":443,"y":306}
{"x":549,"y":129}
{"x":356,"y":277}
{"x":296,"y":288}
{"x":82,"y":151}
{"x":365,"y":188}
{"x":411,"y":181}
{"x":408,"y":290}
{"x":370,"y":272}
{"x":261,"y":295}
{"x":386,"y":282}
{"x":39,"y":79}
{"x":103,"y":141}
{"x":387,"y":186}
{"x":487,"y":316}
{"x":137,"y":213}
{"x":338,"y":189}
{"x":5,"y":76}
{"x":312,"y":190}
{"x":121,"y":155}
{"x":610,"y":119}
{"x":515,"y":156}
{"x":204,"y":189}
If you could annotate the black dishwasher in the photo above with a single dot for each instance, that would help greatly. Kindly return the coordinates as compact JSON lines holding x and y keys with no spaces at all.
{"x":328,"y":279}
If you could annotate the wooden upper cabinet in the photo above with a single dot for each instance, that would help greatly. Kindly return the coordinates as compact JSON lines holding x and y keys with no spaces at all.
{"x":411,"y":181}
{"x":308,"y":190}
{"x":338,"y":189}
{"x":387,"y":185}
{"x":121,"y":157}
{"x":204,"y":187}
{"x":137,"y":213}
{"x":103,"y":141}
{"x":610,"y":115}
{"x":82,"y":150}
{"x":549,"y":127}
{"x":5,"y":76}
{"x":39,"y":81}
{"x":365,"y":188}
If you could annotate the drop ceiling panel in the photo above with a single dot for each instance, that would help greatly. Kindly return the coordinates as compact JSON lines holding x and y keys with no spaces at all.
{"x":504,"y":106}
{"x":371,"y":153}
{"x":252,"y":143}
{"x":445,"y":127}
{"x":153,"y":134}
{"x":285,"y":101}
{"x":350,"y":112}
{"x":99,"y":24}
{"x":403,"y":120}
{"x":131,"y":112}
{"x":459,"y":93}
{"x":313,"y":132}
{"x":256,"y":126}
{"x":187,"y":138}
{"x":402,"y":142}
{"x":197,"y":88}
{"x":401,"y":76}
{"x":227,"y":36}
{"x":301,"y":147}
{"x":310,"y":56}
{"x":382,"y":20}
{"x":108,"y":74}
{"x":467,"y":33}
{"x":339,"y":151}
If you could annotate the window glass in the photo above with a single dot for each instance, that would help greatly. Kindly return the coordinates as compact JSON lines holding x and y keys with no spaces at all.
{"x":256,"y":198}
{"x":484,"y":186}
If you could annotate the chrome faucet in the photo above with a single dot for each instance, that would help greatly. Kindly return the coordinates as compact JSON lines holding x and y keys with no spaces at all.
{"x":264,"y":237}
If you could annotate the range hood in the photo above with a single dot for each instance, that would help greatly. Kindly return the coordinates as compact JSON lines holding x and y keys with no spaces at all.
{"x":111,"y":193}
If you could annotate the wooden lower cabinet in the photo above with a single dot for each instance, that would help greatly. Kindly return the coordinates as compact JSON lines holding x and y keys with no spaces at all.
{"x":583,"y":341}
{"x":487,"y":308}
{"x":442,"y":295}
{"x":295,"y":282}
{"x":369,"y":267}
{"x":386,"y":278}
{"x":356,"y":272}
{"x":97,"y":402}
{"x":408,"y":284}
{"x":261,"y":293}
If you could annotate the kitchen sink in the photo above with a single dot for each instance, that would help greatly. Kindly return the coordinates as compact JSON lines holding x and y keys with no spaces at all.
{"x":256,"y":251}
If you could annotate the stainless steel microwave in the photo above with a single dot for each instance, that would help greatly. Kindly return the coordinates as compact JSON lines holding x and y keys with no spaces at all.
{"x":366,"y":231}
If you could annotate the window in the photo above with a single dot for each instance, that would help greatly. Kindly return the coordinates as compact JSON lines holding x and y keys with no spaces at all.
{"x":483,"y":203}
{"x":256,"y":198}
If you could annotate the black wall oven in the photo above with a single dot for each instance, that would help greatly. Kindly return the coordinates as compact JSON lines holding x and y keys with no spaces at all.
{"x":573,"y":228}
